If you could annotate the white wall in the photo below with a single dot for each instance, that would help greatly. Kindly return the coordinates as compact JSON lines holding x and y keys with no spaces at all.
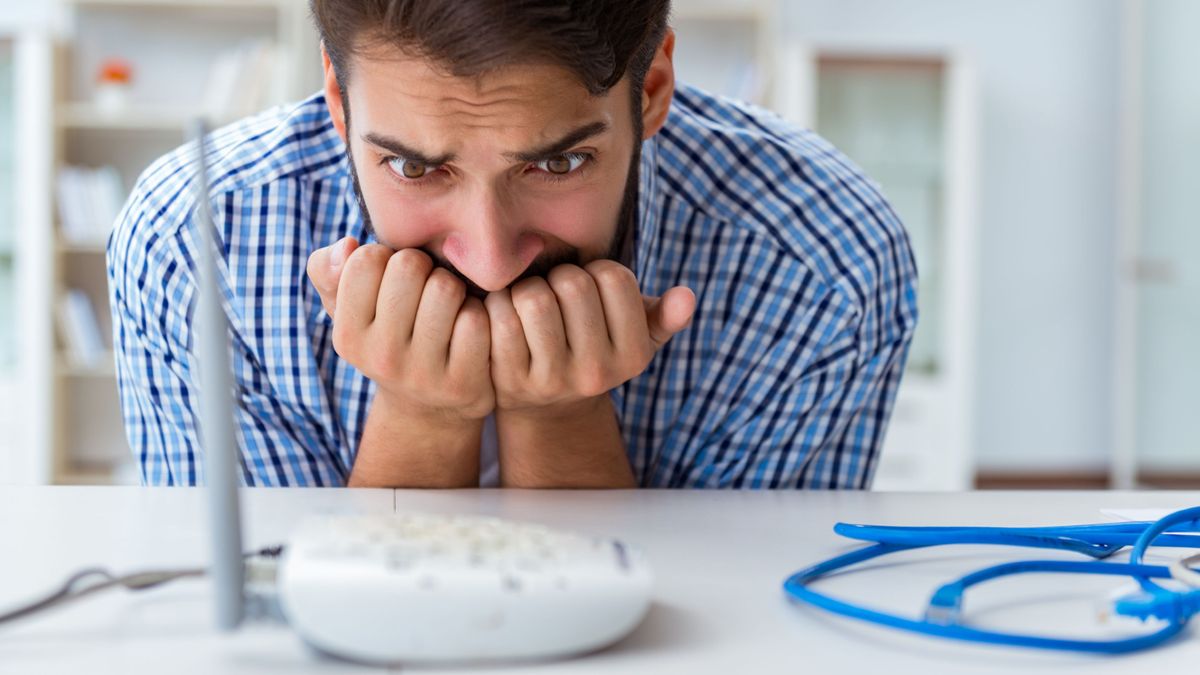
{"x":1048,"y":75}
{"x":1168,"y":309}
{"x":21,"y":14}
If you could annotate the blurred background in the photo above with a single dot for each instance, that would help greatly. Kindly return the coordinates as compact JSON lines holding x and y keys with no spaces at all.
{"x":1042,"y":153}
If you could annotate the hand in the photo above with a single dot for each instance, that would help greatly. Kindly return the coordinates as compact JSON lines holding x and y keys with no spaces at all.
{"x":560,"y":342}
{"x":408,"y":327}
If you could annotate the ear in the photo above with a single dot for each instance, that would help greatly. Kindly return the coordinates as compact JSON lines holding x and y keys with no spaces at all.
{"x":333,"y":95}
{"x":659,"y":87}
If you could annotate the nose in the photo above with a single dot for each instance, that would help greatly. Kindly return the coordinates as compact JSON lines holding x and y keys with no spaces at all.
{"x":489,"y":245}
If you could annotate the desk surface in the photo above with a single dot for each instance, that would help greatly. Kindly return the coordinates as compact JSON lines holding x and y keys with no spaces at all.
{"x":719,"y":559}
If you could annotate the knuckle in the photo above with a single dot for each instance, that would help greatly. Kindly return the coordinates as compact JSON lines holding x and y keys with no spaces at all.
{"x":320,"y":280}
{"x":464,"y":391}
{"x":311,"y":267}
{"x":369,"y":256}
{"x":457,"y":390}
{"x":570,"y":281}
{"x":534,"y":298}
{"x":471,"y":315}
{"x":445,"y":285}
{"x":474,"y":317}
{"x":496,"y":302}
{"x":593,"y":380}
{"x":387,"y":365}
{"x":344,"y":339}
{"x":610,"y":273}
{"x":541,"y":305}
{"x":507,"y":328}
{"x":412,"y":261}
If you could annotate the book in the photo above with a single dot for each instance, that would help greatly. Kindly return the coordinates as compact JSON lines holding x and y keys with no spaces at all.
{"x":242,"y":81}
{"x":89,"y":201}
{"x":80,"y":330}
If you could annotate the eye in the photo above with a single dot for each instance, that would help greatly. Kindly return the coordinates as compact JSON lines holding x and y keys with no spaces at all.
{"x":409,"y":169}
{"x":563,"y":164}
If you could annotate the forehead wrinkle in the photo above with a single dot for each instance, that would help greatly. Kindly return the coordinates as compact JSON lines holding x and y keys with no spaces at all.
{"x":470,"y":104}
{"x":471,"y":114}
{"x":504,"y":108}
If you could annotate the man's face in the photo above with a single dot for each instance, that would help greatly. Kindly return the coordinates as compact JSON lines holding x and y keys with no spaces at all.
{"x":497,"y":177}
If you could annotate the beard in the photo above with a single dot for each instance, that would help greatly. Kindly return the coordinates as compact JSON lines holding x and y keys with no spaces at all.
{"x":620,"y":248}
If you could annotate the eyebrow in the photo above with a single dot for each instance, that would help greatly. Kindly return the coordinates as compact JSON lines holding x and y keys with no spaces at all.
{"x":558,"y":147}
{"x":547,"y":151}
{"x":397,"y":148}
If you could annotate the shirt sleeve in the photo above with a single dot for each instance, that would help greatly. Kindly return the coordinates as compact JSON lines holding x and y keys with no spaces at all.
{"x":152,"y":297}
{"x":832,"y":422}
{"x":795,"y":390}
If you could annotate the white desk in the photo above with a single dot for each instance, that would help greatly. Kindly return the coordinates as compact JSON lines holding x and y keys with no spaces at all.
{"x":719,"y":558}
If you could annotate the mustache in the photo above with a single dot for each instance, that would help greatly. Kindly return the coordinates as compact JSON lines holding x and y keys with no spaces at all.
{"x":540,"y":267}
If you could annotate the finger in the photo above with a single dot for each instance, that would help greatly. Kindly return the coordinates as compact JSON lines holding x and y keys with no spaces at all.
{"x":624,"y":311}
{"x":670,"y":314}
{"x":541,"y":320}
{"x":400,"y":292}
{"x":358,"y":287}
{"x":325,"y":270}
{"x":440,"y":301}
{"x":582,"y":314}
{"x":510,"y":351}
{"x":470,"y":341}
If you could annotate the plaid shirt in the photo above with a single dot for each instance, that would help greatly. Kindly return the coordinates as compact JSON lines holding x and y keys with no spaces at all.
{"x":805,"y":285}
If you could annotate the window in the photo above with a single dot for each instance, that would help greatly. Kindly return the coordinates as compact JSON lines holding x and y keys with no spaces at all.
{"x":887,"y":116}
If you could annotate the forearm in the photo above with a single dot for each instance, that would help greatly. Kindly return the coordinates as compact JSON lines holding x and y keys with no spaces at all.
{"x":575,"y":447}
{"x":406,"y":450}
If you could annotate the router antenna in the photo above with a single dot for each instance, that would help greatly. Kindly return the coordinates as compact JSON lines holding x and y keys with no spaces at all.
{"x":218,"y":438}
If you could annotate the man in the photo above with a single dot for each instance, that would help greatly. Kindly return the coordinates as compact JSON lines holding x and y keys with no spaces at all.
{"x":503,"y":247}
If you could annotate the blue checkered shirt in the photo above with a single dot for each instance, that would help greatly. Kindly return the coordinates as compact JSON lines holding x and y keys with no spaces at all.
{"x":805,"y":282}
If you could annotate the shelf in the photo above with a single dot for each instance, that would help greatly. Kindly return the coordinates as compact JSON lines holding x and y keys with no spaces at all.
{"x":123,"y":472}
{"x":82,"y":248}
{"x":86,"y":476}
{"x":85,"y":116}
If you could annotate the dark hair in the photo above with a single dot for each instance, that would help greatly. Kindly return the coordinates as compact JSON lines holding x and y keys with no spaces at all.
{"x":597,"y":40}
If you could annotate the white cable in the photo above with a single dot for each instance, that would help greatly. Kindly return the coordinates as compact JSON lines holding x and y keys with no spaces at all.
{"x":1181,"y":570}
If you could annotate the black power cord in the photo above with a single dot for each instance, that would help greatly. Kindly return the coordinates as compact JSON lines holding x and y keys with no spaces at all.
{"x":95,"y":579}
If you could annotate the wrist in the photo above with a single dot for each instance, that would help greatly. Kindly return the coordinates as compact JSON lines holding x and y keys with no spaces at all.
{"x":575,"y":445}
{"x":403,"y":447}
{"x":404,"y":406}
{"x":558,"y":413}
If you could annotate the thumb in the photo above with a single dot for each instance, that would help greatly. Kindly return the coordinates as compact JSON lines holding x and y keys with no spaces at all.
{"x":325,"y":269}
{"x":669,"y":314}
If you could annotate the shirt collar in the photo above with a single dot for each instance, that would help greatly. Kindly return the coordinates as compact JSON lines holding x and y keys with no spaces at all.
{"x":645,"y":231}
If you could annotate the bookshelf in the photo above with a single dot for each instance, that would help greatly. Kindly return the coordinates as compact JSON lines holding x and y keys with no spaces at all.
{"x":166,"y":55}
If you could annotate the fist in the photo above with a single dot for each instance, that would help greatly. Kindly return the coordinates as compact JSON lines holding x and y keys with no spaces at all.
{"x":407,"y":326}
{"x":576,"y":334}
